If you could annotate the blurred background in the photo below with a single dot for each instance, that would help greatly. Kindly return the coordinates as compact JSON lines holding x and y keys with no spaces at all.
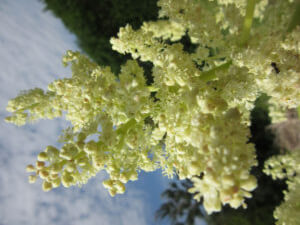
{"x":34,"y":35}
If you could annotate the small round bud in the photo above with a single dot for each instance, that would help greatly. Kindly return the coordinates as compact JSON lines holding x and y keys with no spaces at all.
{"x":42,"y":156}
{"x":108,"y":184}
{"x":56,"y":182}
{"x":124,"y":178}
{"x":68,"y":151}
{"x":133,"y":175}
{"x":112,"y":192}
{"x":114,"y":175}
{"x":120,"y":187}
{"x":228,"y":180}
{"x":52,"y":151}
{"x":249,"y":184}
{"x":32,"y":179}
{"x":247,"y":194}
{"x":30,"y":168}
{"x":99,"y":161}
{"x":40,"y":165}
{"x":47,"y":186}
{"x":236,"y":201}
{"x":67,"y":180}
{"x":70,"y":167}
{"x":81,"y":162}
{"x":44,"y":174}
{"x":56,"y":168}
{"x":212,"y":205}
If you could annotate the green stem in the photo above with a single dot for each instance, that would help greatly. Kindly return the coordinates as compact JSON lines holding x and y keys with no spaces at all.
{"x":295,"y":19}
{"x":152,"y":89}
{"x":211,"y":74}
{"x":248,"y":21}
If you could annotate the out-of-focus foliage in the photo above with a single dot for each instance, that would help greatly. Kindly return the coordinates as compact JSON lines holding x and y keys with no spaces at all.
{"x":94,"y":22}
{"x":180,"y":206}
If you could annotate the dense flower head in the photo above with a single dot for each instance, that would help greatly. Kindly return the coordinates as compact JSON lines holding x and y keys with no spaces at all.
{"x":287,"y":167}
{"x":194,"y":118}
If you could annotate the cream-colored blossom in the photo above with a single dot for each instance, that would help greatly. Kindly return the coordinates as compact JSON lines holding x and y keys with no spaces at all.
{"x":198,"y":121}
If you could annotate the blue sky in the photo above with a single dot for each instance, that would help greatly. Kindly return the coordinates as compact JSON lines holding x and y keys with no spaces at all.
{"x":32,"y":43}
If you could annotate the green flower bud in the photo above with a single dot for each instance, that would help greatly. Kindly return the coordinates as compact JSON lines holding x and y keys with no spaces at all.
{"x":70,"y":167}
{"x":67,"y":179}
{"x":68,"y":151}
{"x":32,"y":179}
{"x":30,"y":168}
{"x":81,"y":162}
{"x":52,"y":152}
{"x":47,"y":186}
{"x":99,"y":161}
{"x":124,"y":178}
{"x":133,"y":175}
{"x":108,"y":183}
{"x":42,"y":156}
{"x":112,"y":192}
{"x":56,"y":182}
{"x":120,"y":187}
{"x":56,"y":168}
{"x":40,"y":165}
{"x":44,"y":174}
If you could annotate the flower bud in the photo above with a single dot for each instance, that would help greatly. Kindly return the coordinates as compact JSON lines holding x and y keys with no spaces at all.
{"x":42,"y":156}
{"x":124,"y":178}
{"x":30,"y":168}
{"x":212,"y":205}
{"x":51,"y":151}
{"x":40,"y":165}
{"x":47,"y":186}
{"x":70,"y":167}
{"x":44,"y":174}
{"x":108,"y":183}
{"x":67,"y":179}
{"x":249,"y":184}
{"x":112,"y":192}
{"x":81,"y":161}
{"x":120,"y":187}
{"x":133,"y":175}
{"x":68,"y":151}
{"x":228,"y":180}
{"x":236,"y":201}
{"x":32,"y":179}
{"x":99,"y":161}
{"x":56,"y":168}
{"x":56,"y":182}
